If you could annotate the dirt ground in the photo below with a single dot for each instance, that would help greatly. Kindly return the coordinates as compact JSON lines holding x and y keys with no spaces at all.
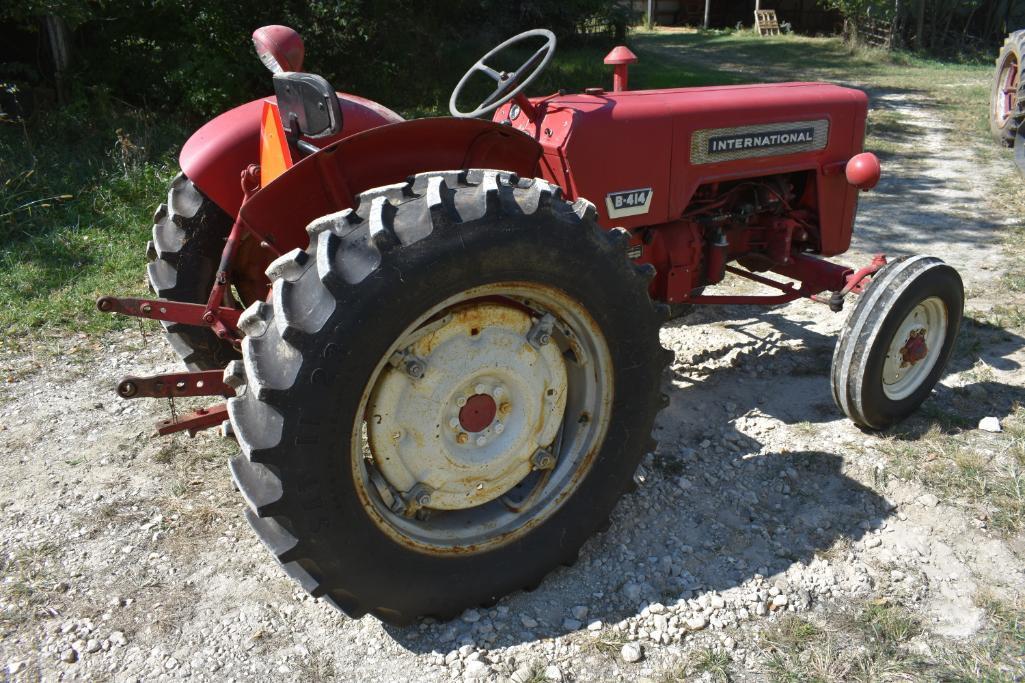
{"x":769,"y":538}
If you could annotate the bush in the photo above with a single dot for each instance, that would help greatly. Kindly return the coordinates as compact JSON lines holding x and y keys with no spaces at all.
{"x":194,"y":57}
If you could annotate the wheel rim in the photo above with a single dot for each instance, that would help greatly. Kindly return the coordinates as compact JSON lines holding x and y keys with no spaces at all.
{"x":915,"y":348}
{"x":1008,"y":84}
{"x":483,"y":418}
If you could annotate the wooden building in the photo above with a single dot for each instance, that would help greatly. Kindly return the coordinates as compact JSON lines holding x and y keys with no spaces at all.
{"x":805,"y":16}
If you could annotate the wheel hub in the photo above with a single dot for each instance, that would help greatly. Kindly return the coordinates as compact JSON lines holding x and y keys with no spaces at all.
{"x":915,"y":349}
{"x":487,"y":401}
{"x":478,"y":413}
{"x":909,"y":359}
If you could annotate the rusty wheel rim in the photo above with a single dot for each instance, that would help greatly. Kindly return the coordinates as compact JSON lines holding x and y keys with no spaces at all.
{"x":1008,"y":84}
{"x":483,"y":418}
{"x":914,"y":349}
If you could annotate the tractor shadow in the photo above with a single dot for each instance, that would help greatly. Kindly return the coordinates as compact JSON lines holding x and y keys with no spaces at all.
{"x":716,"y":507}
{"x":757,"y":515}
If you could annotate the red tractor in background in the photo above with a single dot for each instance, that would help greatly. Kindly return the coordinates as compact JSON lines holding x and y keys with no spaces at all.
{"x":440,"y":338}
{"x":1007,"y":97}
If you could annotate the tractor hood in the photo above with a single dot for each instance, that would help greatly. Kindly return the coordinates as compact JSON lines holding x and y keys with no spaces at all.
{"x":660,"y":145}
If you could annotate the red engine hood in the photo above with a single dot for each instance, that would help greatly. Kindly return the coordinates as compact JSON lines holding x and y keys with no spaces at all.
{"x":604,"y":143}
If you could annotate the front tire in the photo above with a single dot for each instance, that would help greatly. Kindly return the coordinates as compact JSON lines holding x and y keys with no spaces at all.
{"x":897,"y":341}
{"x":415,"y":367}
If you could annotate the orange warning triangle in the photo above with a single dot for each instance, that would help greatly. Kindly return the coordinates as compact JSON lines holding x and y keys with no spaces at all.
{"x":275,"y":158}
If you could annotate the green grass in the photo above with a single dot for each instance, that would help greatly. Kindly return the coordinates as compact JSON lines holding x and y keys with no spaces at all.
{"x":76,"y":202}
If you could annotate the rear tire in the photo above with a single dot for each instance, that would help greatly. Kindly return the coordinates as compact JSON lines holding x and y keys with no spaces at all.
{"x":189,"y":232}
{"x":320,"y":362}
{"x":896,"y":343}
{"x":1007,"y":109}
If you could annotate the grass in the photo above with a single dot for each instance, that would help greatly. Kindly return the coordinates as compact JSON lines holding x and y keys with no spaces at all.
{"x":953,"y":463}
{"x":873,"y":643}
{"x":76,"y":201}
{"x":707,"y":664}
{"x":28,"y":585}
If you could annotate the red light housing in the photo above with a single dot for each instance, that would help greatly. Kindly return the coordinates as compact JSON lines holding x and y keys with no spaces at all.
{"x":279,"y":48}
{"x":863,"y":171}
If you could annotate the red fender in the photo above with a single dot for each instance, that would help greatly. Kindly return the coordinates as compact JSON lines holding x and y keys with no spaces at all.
{"x":218,"y":152}
{"x":329,"y":180}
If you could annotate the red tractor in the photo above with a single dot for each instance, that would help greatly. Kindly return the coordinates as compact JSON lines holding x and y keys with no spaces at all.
{"x":440,"y":338}
{"x":1007,"y":97}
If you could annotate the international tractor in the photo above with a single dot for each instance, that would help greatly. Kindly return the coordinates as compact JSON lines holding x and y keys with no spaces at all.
{"x":439,"y":338}
{"x":1007,"y":98}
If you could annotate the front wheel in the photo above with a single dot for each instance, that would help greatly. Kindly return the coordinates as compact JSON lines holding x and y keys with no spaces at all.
{"x":448,"y":394}
{"x":897,"y":341}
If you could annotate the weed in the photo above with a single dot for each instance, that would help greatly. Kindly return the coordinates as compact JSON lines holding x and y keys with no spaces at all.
{"x":610,"y":643}
{"x":793,"y":633}
{"x":28,"y":584}
{"x":713,"y":661}
{"x":887,"y":624}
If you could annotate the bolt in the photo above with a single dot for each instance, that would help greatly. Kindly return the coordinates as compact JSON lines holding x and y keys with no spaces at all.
{"x":462,"y":437}
{"x":415,"y":369}
{"x":481,"y":440}
{"x":396,"y":436}
{"x":424,"y":499}
{"x":480,"y":389}
{"x":127,"y":389}
{"x":146,"y":308}
{"x":461,"y":401}
{"x":499,"y":428}
{"x":505,"y":408}
{"x":542,"y":460}
{"x":499,"y":392}
{"x":544,"y":338}
{"x":208,"y":317}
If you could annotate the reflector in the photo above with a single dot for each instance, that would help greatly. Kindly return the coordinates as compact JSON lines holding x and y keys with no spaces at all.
{"x":275,"y":157}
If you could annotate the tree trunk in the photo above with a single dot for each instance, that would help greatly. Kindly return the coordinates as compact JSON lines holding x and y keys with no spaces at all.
{"x":705,"y":23}
{"x":920,"y":27}
{"x":60,"y":51}
{"x":651,"y":14}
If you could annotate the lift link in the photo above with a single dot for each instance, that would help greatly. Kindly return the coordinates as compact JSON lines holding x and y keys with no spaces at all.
{"x":173,"y":312}
{"x":200,"y":383}
{"x":196,"y":421}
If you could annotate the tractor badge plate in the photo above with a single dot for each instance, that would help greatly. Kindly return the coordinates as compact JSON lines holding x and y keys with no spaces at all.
{"x":763,"y":140}
{"x":628,"y":202}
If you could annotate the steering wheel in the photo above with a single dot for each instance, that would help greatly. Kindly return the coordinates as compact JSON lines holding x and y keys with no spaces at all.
{"x":509,"y":84}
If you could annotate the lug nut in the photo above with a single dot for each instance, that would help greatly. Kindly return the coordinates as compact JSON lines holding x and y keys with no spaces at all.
{"x":499,"y":428}
{"x":454,"y":423}
{"x":542,"y":460}
{"x":415,"y":369}
{"x":461,"y":401}
{"x":505,"y":408}
{"x":462,"y":437}
{"x":480,"y":389}
{"x":481,"y":440}
{"x":499,"y":392}
{"x":424,"y":499}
